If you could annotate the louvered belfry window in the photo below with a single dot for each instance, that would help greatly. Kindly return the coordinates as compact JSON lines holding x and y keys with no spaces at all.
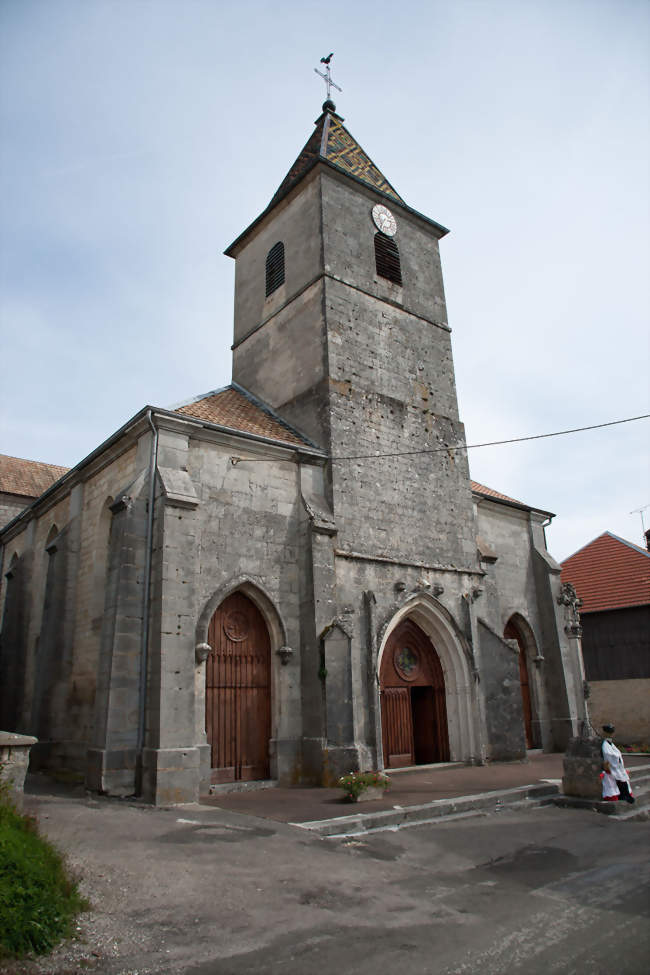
{"x":387,"y":258}
{"x":274,"y":268}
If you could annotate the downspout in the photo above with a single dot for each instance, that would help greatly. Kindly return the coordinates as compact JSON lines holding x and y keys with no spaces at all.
{"x":146,"y":598}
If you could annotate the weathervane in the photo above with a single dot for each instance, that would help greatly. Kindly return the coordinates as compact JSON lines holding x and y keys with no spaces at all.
{"x":326,"y":76}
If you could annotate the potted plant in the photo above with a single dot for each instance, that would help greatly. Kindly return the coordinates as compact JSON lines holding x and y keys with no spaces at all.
{"x":363,"y":786}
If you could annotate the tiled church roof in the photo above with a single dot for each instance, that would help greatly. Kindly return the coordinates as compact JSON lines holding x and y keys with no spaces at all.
{"x":27,"y":478}
{"x":332,"y":142}
{"x":488,"y":492}
{"x":609,"y":573}
{"x":491,"y":493}
{"x":237,"y":409}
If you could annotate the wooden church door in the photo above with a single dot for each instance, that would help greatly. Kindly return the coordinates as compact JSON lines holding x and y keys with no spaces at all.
{"x":413,"y":705}
{"x":511,"y":633}
{"x":238,"y":691}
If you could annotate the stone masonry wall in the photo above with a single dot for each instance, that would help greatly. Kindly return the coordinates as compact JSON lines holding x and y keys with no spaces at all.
{"x":295,"y":222}
{"x":10,"y":506}
{"x":68,"y":691}
{"x":392,"y":391}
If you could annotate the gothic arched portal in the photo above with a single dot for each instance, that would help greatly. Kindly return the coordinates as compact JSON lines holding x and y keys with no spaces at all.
{"x":413,"y":700}
{"x":238,"y":691}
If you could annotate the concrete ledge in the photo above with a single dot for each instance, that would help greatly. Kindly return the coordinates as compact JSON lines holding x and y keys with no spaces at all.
{"x":14,"y":759}
{"x":430,"y":811}
{"x":225,"y":787}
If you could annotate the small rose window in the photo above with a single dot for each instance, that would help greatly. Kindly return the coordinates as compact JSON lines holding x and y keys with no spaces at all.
{"x":407,"y":662}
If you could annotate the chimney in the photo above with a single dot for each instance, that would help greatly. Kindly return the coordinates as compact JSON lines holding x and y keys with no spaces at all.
{"x":647,"y":539}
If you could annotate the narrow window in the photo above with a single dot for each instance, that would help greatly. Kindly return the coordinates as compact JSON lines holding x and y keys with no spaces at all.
{"x":274,"y":268}
{"x":387,"y":258}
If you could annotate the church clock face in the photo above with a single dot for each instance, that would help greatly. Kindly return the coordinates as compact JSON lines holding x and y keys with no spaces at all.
{"x":384,"y":220}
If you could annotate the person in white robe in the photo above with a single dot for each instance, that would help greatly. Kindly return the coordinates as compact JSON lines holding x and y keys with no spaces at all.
{"x":613,"y":759}
{"x":610,"y":789}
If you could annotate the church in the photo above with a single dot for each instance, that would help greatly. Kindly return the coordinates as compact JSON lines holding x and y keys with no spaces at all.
{"x":294,"y":576}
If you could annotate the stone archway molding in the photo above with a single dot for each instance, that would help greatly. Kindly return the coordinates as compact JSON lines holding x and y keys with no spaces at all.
{"x":527,"y":634}
{"x":457,"y":662}
{"x":534,"y":655}
{"x":256,"y":592}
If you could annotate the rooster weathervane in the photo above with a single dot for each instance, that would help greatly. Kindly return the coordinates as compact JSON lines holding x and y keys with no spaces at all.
{"x":326,"y":76}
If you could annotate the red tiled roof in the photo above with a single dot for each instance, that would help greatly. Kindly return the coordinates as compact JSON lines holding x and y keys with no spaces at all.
{"x":609,"y":573}
{"x":231,"y":408}
{"x":491,"y":493}
{"x":27,"y":478}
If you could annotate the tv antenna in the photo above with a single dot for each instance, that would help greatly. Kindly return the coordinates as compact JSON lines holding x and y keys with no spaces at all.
{"x":639,"y":511}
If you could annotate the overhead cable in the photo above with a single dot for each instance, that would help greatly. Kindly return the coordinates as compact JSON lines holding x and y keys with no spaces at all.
{"x":491,"y":443}
{"x":463,"y":446}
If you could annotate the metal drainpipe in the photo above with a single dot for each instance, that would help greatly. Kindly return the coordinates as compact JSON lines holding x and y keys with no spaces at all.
{"x":146,"y":600}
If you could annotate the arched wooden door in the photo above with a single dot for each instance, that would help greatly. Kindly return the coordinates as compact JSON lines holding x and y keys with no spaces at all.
{"x":238,"y":691}
{"x":413,"y":705}
{"x":512,"y":633}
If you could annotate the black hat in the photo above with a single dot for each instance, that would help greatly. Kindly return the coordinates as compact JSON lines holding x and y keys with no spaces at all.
{"x":609,"y":729}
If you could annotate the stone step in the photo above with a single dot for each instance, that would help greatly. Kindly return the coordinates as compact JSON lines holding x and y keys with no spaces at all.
{"x":637,"y":811}
{"x":429,"y":812}
{"x":224,"y":787}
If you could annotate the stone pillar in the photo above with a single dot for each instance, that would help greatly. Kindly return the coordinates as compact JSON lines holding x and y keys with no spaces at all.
{"x":562,"y":693}
{"x":582,"y":764}
{"x":171,"y":758}
{"x":318,"y":606}
{"x":14,"y":760}
{"x":201,"y":652}
{"x":112,"y":758}
{"x":342,"y":750}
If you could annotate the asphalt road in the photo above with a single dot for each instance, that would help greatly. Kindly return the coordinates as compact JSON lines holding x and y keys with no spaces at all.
{"x":203,"y":891}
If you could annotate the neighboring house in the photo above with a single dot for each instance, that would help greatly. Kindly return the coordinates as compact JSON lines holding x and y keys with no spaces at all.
{"x":21,"y":482}
{"x":612,"y":578}
{"x":293,"y":576}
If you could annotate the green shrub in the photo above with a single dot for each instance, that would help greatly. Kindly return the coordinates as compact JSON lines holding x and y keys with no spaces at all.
{"x":38,"y":900}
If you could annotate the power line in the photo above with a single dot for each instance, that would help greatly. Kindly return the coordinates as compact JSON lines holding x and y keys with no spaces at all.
{"x":462,"y":446}
{"x":491,"y":443}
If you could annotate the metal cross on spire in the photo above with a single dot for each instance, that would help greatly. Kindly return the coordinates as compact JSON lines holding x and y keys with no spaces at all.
{"x":326,"y":76}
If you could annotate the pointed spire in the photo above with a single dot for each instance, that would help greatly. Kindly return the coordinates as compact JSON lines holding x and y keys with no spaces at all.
{"x":332,"y":143}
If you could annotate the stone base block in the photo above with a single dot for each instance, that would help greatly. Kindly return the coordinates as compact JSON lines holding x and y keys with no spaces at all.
{"x":204,"y":768}
{"x":582,"y":766}
{"x":14,"y":759}
{"x":112,"y":771}
{"x":338,"y":761}
{"x":370,"y":794}
{"x":286,"y":763}
{"x":171,"y":775}
{"x":311,"y":770}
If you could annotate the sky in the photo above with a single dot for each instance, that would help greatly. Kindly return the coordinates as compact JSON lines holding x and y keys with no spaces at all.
{"x":138,"y":138}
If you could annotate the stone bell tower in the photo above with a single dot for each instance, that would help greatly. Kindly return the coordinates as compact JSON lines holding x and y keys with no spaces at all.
{"x":341,"y":325}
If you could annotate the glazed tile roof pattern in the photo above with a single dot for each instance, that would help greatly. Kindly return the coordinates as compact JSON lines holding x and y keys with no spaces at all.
{"x":609,"y":573}
{"x":27,"y":478}
{"x":238,"y":410}
{"x":332,"y":142}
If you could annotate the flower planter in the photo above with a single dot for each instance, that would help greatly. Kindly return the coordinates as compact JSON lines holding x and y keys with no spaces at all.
{"x":364,"y":786}
{"x":372,"y":792}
